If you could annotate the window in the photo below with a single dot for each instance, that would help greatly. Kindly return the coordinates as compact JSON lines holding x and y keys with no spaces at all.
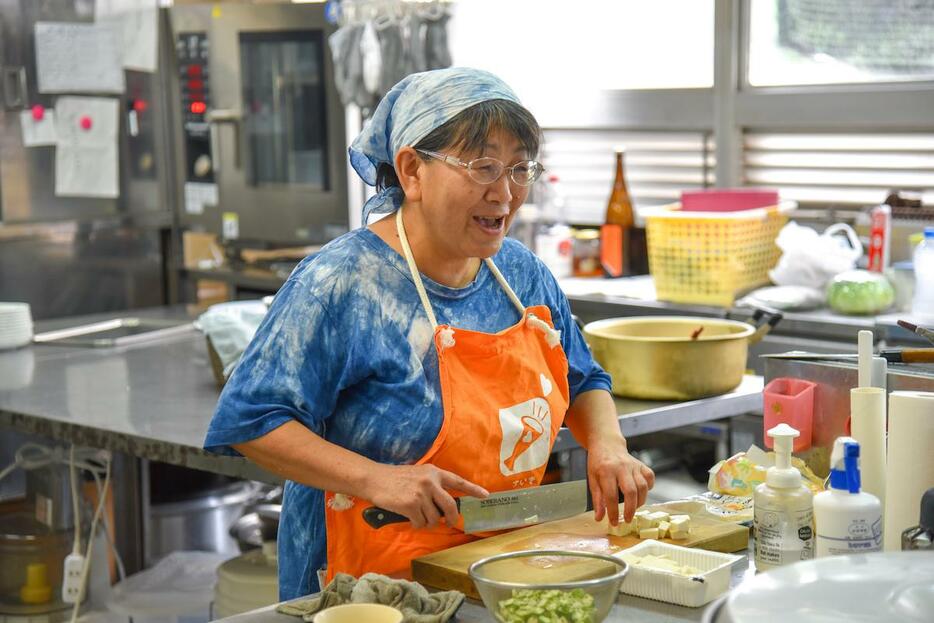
{"x":554,"y":48}
{"x":840,"y":169}
{"x":283,"y":92}
{"x":659,"y":165}
{"x":799,"y":42}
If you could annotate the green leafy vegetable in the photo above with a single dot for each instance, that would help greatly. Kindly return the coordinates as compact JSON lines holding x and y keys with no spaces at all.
{"x":546,"y":606}
{"x":860,"y":292}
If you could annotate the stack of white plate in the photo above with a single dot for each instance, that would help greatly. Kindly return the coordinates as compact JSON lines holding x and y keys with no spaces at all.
{"x":15,"y":325}
{"x":879,"y":588}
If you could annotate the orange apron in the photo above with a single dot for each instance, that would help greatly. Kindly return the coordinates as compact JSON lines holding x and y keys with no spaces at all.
{"x":504,"y":398}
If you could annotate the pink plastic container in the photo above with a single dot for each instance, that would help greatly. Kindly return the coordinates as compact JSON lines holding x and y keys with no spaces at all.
{"x":789,"y":401}
{"x":728,"y":199}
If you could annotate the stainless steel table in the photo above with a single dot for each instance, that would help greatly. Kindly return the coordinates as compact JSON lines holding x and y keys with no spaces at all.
{"x":628,"y":609}
{"x":154,"y":400}
{"x":151,"y":400}
{"x":640,"y":417}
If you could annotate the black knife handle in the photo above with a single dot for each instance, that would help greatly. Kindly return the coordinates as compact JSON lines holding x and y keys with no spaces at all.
{"x":378,"y":517}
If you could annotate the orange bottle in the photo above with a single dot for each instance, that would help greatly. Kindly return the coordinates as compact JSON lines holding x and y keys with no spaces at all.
{"x":619,"y":220}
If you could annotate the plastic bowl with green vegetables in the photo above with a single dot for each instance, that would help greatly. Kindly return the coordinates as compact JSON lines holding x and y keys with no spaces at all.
{"x":549,"y":586}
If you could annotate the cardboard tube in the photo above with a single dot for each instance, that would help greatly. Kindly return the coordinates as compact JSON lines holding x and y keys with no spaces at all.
{"x":910,"y":468}
{"x":867,"y":426}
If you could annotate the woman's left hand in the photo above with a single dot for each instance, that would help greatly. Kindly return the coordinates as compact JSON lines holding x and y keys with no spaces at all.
{"x":611,"y":470}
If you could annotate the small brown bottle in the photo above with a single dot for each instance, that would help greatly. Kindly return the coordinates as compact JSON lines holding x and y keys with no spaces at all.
{"x":619,"y":220}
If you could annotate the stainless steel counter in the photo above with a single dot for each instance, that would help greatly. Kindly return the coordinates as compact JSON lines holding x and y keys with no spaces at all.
{"x":640,"y":417}
{"x":154,"y":400}
{"x":628,"y":609}
{"x":599,"y":298}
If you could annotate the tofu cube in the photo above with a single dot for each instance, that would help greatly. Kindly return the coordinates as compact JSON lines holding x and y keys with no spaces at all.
{"x":622,"y":529}
{"x":680,"y":523}
{"x":641,"y":520}
{"x":663,"y":529}
{"x":657,"y":517}
{"x":648,"y":533}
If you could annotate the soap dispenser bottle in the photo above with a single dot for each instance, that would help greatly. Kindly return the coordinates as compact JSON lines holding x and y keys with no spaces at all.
{"x":847,"y":520}
{"x":783,"y":509}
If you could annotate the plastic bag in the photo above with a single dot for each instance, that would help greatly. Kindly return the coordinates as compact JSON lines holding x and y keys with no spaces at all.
{"x":731,"y":483}
{"x":811,"y":259}
{"x":180,"y":585}
{"x":231,"y":326}
{"x":744,"y":471}
{"x":784,"y":298}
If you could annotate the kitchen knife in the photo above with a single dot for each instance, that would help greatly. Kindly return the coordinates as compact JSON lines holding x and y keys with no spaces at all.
{"x":893,"y":355}
{"x":506,"y":509}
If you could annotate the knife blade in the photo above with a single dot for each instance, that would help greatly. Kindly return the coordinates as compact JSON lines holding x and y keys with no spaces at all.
{"x":892,"y":355}
{"x":506,"y":509}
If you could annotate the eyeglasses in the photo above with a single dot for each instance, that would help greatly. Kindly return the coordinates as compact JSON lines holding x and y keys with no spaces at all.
{"x":487,"y":170}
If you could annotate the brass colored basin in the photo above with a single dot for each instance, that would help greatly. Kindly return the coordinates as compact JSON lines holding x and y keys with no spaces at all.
{"x":656,"y":358}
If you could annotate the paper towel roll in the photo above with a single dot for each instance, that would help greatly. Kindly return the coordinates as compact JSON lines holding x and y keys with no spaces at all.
{"x":910,"y":468}
{"x":867,"y":426}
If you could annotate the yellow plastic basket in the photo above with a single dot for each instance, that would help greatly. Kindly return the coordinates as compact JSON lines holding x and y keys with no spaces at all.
{"x":711,"y":257}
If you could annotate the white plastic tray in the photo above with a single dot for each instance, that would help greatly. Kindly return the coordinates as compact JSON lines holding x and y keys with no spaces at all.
{"x":712,"y":581}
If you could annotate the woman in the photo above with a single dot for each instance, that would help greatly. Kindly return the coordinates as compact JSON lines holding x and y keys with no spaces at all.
{"x":424,"y":355}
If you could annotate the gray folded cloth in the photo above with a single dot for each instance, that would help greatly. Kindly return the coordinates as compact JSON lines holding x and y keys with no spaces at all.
{"x":415,"y":602}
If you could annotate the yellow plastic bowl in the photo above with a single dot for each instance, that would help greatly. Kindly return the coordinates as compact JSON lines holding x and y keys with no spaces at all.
{"x":359,"y":613}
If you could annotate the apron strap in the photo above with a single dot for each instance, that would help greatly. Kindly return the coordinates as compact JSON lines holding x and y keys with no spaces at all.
{"x":420,"y":286}
{"x":413,"y":269}
{"x":506,"y":288}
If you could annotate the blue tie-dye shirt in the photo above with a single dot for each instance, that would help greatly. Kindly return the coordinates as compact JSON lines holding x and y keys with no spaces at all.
{"x":347,"y":350}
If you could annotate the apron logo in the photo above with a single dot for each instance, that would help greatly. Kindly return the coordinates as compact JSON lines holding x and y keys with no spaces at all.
{"x":546,"y":384}
{"x":526,"y":436}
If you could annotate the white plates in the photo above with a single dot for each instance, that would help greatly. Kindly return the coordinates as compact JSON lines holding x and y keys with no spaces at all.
{"x":786,"y":298}
{"x":883,"y":587}
{"x":17,"y":368}
{"x":15,"y":325}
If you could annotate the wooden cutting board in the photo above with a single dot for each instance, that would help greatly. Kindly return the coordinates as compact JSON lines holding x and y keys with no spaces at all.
{"x":447,"y":569}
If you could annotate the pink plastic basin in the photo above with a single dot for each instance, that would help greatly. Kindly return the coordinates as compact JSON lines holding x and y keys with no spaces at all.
{"x":727,"y":199}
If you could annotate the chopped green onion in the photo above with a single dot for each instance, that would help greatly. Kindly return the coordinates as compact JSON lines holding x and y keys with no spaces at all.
{"x":546,"y":606}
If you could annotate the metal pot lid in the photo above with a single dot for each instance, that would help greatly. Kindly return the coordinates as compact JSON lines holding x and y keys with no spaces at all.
{"x":883,"y":587}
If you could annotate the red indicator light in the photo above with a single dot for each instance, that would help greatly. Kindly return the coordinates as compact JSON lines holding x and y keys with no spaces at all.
{"x":139,"y":105}
{"x":196,"y":85}
{"x":198,"y":107}
{"x":194,"y":70}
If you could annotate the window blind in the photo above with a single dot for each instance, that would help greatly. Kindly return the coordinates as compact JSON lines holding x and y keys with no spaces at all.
{"x":659,"y":165}
{"x":824,"y":170}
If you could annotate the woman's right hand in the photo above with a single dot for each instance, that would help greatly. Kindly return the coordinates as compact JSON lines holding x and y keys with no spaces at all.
{"x":420,"y":492}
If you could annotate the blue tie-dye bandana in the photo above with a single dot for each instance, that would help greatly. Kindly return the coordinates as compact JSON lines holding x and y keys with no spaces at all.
{"x":411,"y":110}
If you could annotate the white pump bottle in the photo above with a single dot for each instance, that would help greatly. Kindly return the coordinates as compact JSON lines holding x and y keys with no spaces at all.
{"x":848,"y":521}
{"x":783,"y":509}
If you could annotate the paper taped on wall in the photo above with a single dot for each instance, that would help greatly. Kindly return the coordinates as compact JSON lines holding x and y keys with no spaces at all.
{"x":72,"y":57}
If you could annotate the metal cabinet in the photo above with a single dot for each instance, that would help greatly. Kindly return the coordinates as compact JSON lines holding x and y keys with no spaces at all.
{"x":259,"y":128}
